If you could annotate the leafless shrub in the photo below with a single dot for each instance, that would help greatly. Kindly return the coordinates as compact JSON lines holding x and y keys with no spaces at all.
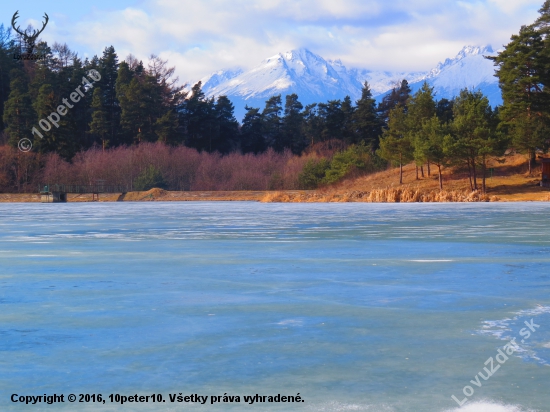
{"x":182,"y":168}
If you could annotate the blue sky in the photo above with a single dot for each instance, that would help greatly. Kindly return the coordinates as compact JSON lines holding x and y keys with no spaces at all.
{"x":199,"y":37}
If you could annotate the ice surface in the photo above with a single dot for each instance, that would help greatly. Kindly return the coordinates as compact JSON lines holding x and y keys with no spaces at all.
{"x":367,"y":307}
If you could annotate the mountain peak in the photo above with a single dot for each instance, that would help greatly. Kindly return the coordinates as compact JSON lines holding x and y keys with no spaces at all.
{"x":472,"y":51}
{"x":300,"y":53}
{"x":469,"y":69}
{"x":466,"y":52}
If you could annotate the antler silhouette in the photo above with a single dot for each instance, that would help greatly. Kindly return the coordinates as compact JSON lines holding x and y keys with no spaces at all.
{"x":13,"y":19}
{"x":30,"y":37}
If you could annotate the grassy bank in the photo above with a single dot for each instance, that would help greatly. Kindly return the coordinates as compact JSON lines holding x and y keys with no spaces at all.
{"x":152,"y":195}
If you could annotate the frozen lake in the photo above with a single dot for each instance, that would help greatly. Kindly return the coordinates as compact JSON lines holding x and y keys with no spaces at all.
{"x":355,"y":307}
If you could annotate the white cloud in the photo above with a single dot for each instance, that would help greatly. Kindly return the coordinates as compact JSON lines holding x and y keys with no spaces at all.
{"x":199,"y":37}
{"x":511,"y":6}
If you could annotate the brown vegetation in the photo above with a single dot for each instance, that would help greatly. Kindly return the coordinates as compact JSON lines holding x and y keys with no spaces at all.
{"x":510,"y":180}
{"x":391,"y":195}
{"x":182,"y":168}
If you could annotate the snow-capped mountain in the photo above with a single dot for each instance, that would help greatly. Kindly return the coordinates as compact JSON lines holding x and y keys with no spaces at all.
{"x":469,"y":69}
{"x":298,"y":71}
{"x":315,"y":79}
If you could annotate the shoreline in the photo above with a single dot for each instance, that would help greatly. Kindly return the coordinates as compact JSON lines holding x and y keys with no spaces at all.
{"x":402,"y":194}
{"x":151,"y":196}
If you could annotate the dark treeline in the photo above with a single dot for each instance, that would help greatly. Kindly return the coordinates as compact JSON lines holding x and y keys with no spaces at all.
{"x":135,"y":103}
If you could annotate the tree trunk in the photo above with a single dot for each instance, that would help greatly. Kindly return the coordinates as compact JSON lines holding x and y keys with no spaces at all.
{"x":429,"y":171}
{"x":17,"y":172}
{"x":470,"y":176}
{"x":400,"y":169}
{"x":422,"y":170}
{"x":416,"y":172}
{"x":474,"y":173}
{"x":440,"y":177}
{"x":484,"y":169}
{"x":529,"y":161}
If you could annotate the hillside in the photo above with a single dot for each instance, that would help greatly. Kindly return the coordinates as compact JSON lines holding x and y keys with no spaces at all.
{"x":510,"y":182}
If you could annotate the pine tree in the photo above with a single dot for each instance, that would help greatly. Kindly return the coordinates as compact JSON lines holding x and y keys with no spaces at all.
{"x":476,"y":138}
{"x":124,"y":77}
{"x":395,"y":145}
{"x":41,"y":72}
{"x":227,"y":127}
{"x":252,"y":137}
{"x":19,"y":116}
{"x":140,"y":109}
{"x":522,"y":71}
{"x":313,"y":124}
{"x":333,"y":119}
{"x":7,"y":64}
{"x":542,"y":24}
{"x":99,"y":126}
{"x":366,"y":121}
{"x":132,"y":119}
{"x":292,"y":130}
{"x":444,"y":110}
{"x":78,"y":117}
{"x":399,"y":95}
{"x":108,"y":69}
{"x":421,"y":108}
{"x":349,"y":126}
{"x":198,"y":117}
{"x":167,"y":128}
{"x":272,"y":122}
{"x":404,"y":93}
{"x":155,"y":107}
{"x":56,"y":138}
{"x":432,"y":144}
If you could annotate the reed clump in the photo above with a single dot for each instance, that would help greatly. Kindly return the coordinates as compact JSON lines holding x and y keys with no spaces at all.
{"x":388,"y":195}
{"x":276,"y":197}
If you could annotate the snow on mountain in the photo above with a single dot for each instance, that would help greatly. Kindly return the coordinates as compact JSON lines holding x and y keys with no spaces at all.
{"x":219,"y":77}
{"x":382,"y":81}
{"x":315,"y":79}
{"x":298,"y":71}
{"x":469,"y":69}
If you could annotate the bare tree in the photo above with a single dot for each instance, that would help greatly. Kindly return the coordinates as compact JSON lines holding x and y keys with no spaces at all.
{"x":171,"y":92}
{"x":63,"y":56}
{"x":132,"y":61}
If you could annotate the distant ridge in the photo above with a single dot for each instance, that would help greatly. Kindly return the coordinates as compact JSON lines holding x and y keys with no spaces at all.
{"x":316,"y":80}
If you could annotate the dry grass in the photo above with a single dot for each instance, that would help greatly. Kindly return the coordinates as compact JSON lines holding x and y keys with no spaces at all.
{"x":19,"y":197}
{"x":388,"y":195}
{"x":149,"y":195}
